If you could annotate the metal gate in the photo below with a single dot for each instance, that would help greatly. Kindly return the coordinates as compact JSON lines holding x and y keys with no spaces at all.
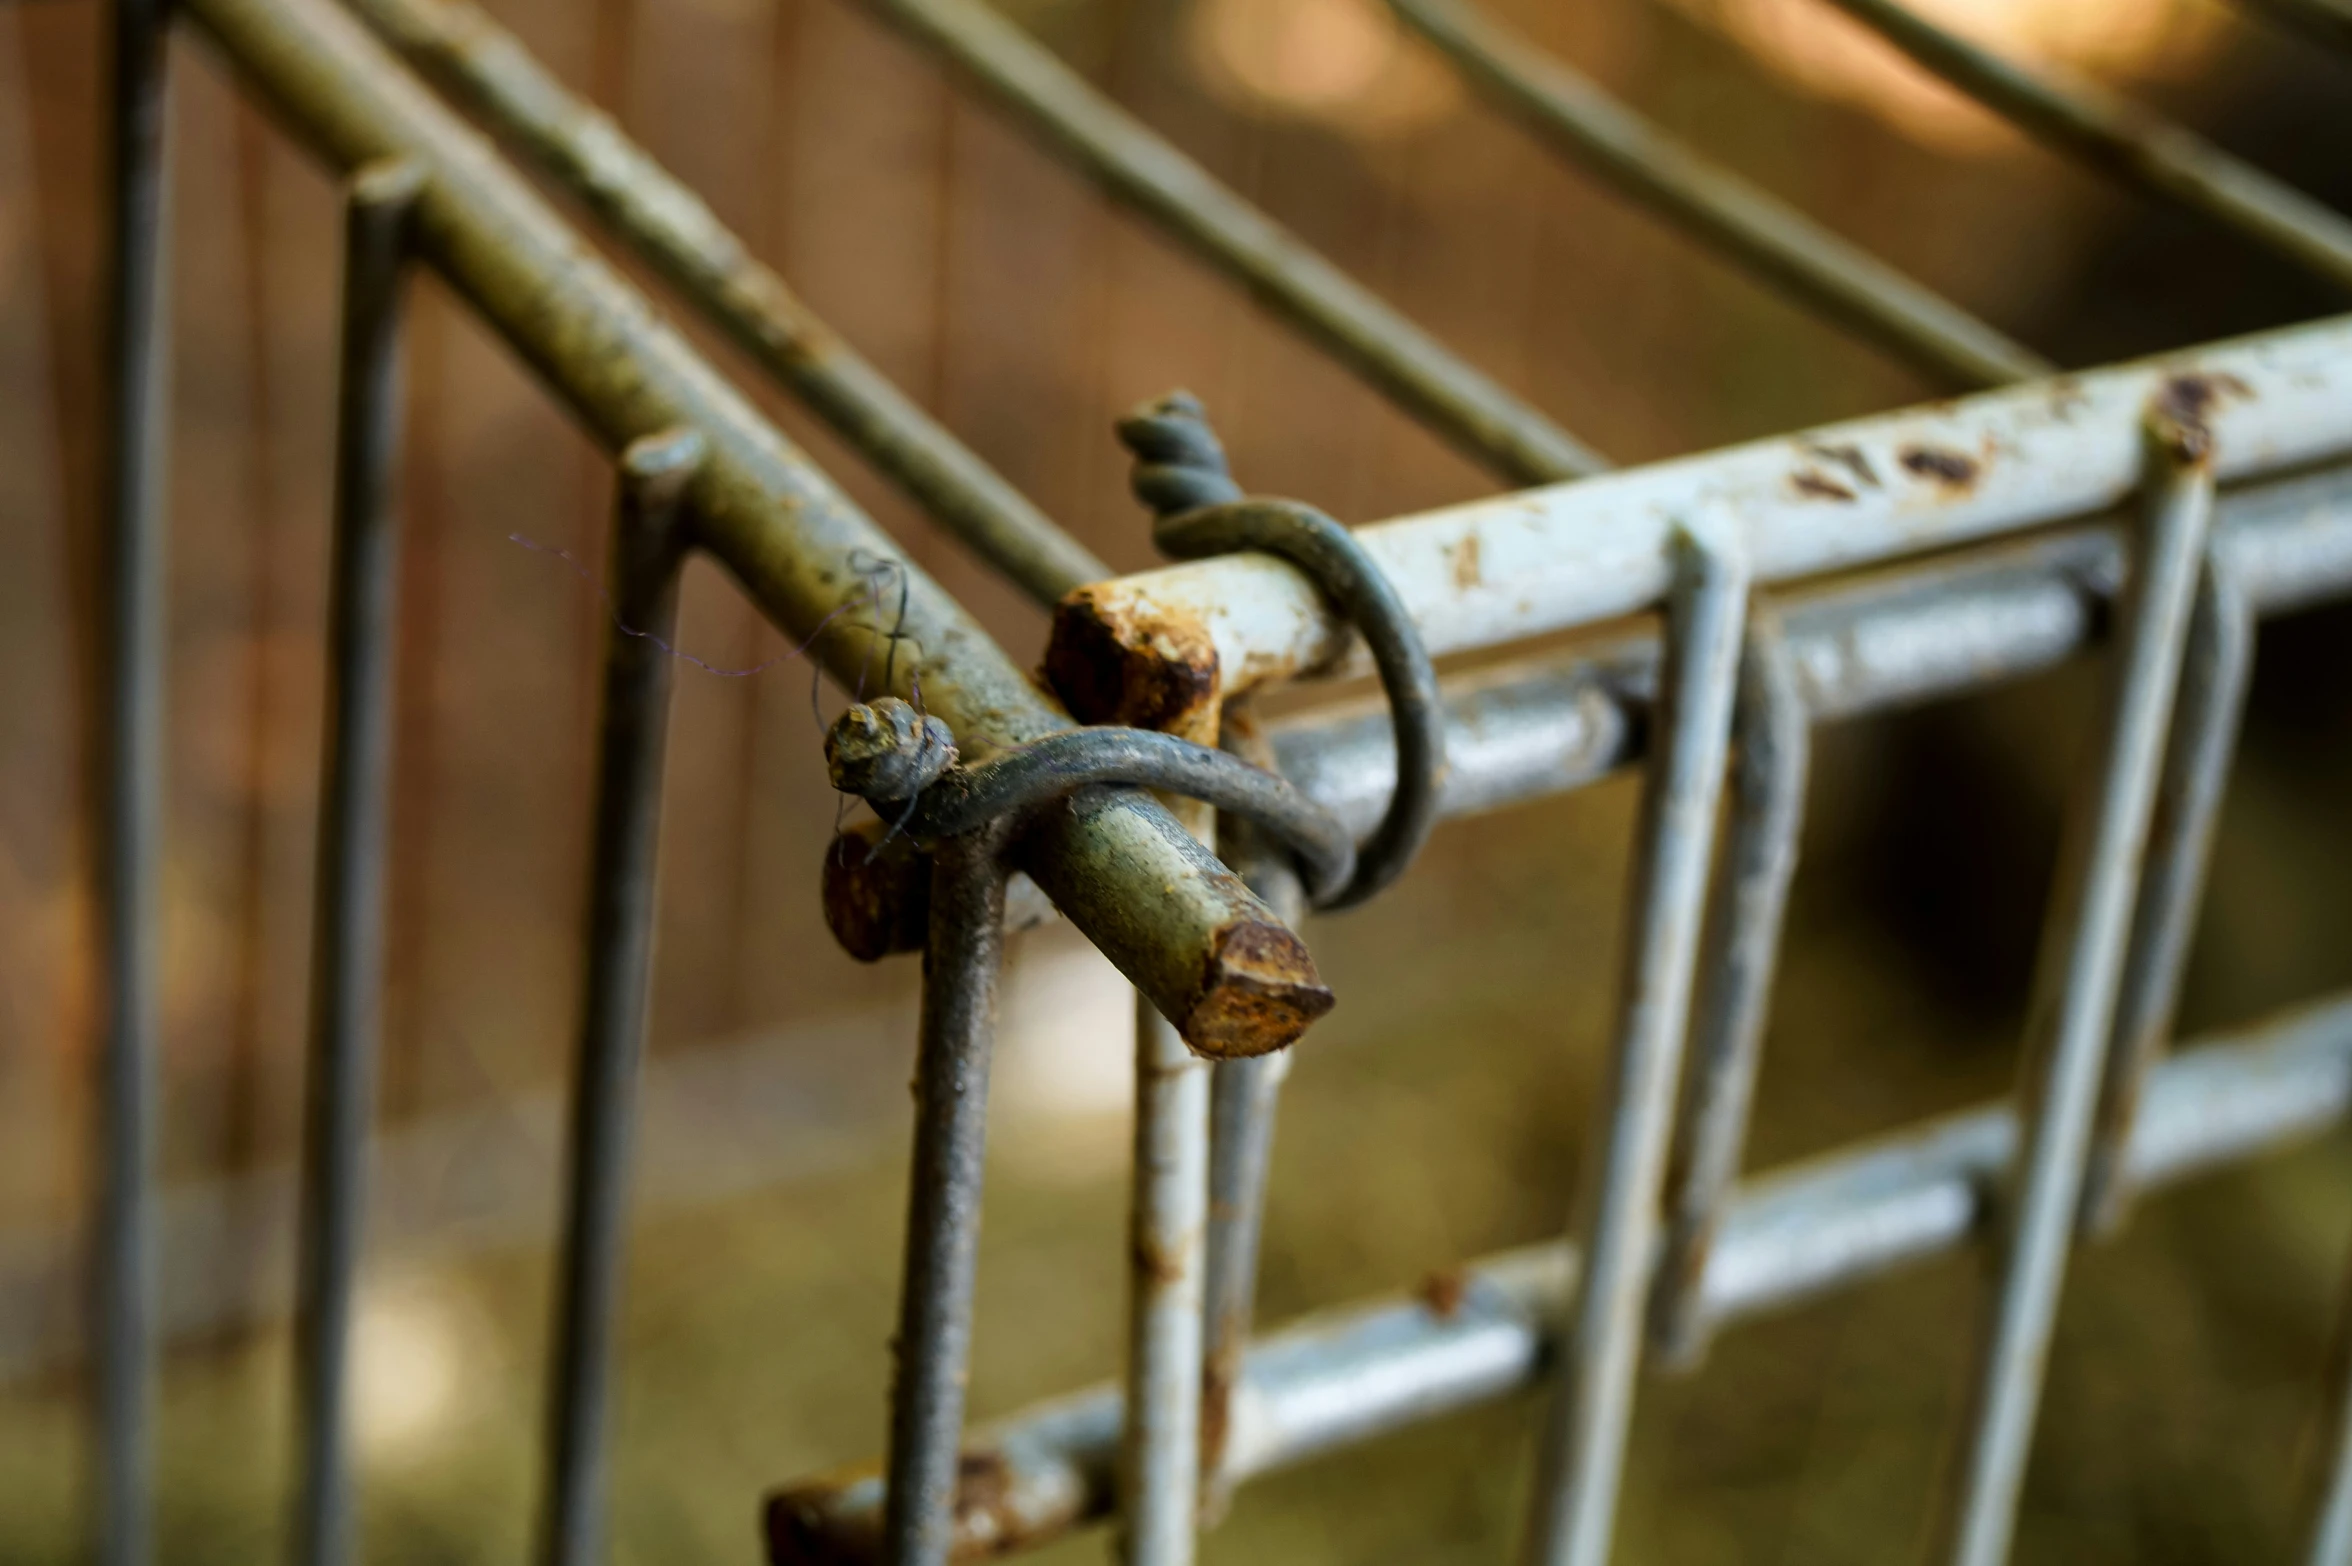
{"x":2154,"y":510}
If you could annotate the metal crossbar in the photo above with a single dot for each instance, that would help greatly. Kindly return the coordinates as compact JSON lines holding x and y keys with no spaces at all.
{"x":2173,"y":501}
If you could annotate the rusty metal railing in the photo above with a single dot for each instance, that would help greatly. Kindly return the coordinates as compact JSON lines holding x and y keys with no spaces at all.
{"x":2179,"y":499}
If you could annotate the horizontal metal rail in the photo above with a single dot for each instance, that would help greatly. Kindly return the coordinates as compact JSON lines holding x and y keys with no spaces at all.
{"x":1548,"y":725}
{"x":1755,"y":229}
{"x":457,"y":45}
{"x":2125,"y":141}
{"x":1121,"y":155}
{"x":1842,"y":496}
{"x":1177,"y":923}
{"x":1345,"y":1376}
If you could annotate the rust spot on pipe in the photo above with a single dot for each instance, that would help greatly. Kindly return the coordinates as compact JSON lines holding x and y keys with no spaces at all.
{"x":1154,"y":1261}
{"x":1220,"y":1372}
{"x":2194,"y":395}
{"x":1258,"y":992}
{"x":1813,"y":484}
{"x":984,"y":1501}
{"x":877,"y":902}
{"x":1468,"y":568}
{"x":2185,"y":402}
{"x":1953,"y":471}
{"x":1115,"y":661}
{"x":835,"y":1519}
{"x":1849,"y":457}
{"x":1443,"y":1291}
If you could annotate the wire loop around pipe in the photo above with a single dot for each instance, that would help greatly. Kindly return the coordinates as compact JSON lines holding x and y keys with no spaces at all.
{"x":1181,"y":473}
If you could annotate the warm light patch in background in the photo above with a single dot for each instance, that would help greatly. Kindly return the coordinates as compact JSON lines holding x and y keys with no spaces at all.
{"x":1345,"y":63}
{"x":418,"y":1365}
{"x":1817,"y":46}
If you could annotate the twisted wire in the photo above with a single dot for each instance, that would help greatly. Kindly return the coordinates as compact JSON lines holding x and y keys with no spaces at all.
{"x":1181,"y":474}
{"x":1179,"y":462}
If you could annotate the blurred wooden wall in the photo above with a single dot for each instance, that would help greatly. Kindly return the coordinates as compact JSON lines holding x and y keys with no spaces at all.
{"x":983,"y":276}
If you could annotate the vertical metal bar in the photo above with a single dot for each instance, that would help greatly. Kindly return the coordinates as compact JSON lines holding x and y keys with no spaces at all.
{"x":1159,"y":1471}
{"x":934,"y":1343}
{"x":1244,"y":1096}
{"x":1772,"y":728}
{"x":128,"y":840}
{"x":1583,"y":1446}
{"x":2328,"y":1540}
{"x":1160,"y":1449}
{"x":2215,"y":668}
{"x":347,"y":955}
{"x":2076,"y":979}
{"x":615,"y":981}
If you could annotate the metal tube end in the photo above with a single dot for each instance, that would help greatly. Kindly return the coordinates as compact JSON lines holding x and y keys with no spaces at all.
{"x":658,"y":466}
{"x":1259,"y":992}
{"x":388,"y":184}
{"x":1113,"y":659}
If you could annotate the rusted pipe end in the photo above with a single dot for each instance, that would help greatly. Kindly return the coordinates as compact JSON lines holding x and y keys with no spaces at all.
{"x":1115,"y":662}
{"x":1259,"y":992}
{"x":877,"y":900}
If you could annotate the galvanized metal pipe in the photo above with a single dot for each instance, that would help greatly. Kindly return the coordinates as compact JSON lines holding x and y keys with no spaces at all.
{"x":1871,"y":490}
{"x":1159,"y":1467}
{"x":127,"y":787}
{"x":1773,"y":731}
{"x":1548,"y":725}
{"x":354,"y":829}
{"x":2216,"y":668}
{"x":2125,"y":141}
{"x":934,"y":1342}
{"x":1583,"y":1444}
{"x":1245,"y":1097}
{"x":1135,"y":166}
{"x":616,"y":984}
{"x":1167,"y":1271}
{"x":1765,"y":235}
{"x":2072,"y":1012}
{"x":1178,"y":924}
{"x":458,"y":45}
{"x":1354,"y":1373}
